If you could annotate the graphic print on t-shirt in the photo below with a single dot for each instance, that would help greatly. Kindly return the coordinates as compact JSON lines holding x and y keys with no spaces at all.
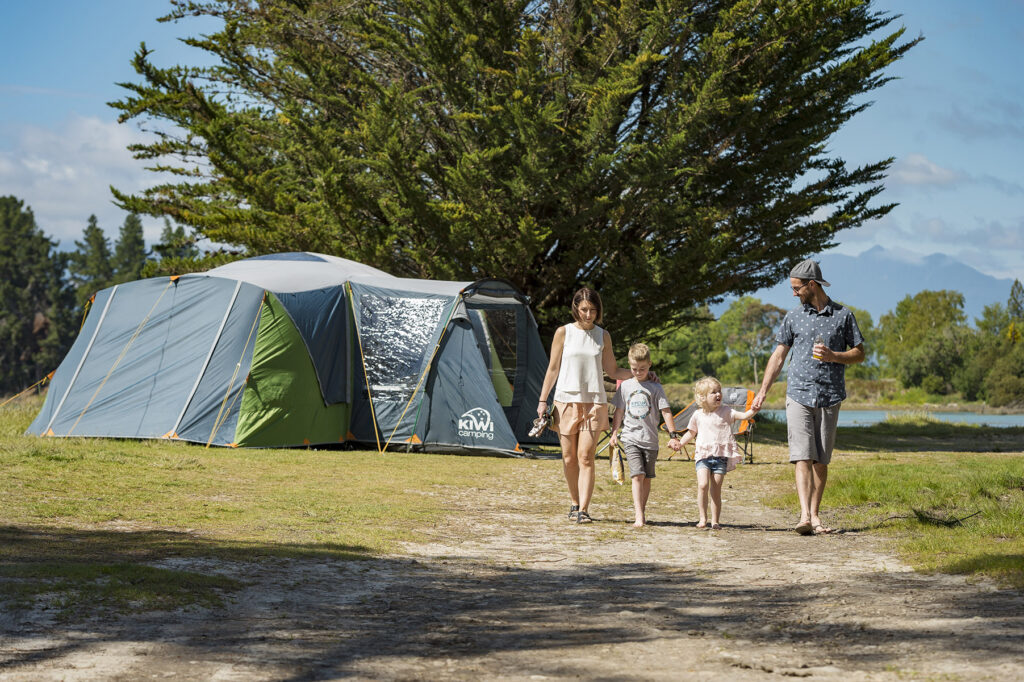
{"x":638,"y":404}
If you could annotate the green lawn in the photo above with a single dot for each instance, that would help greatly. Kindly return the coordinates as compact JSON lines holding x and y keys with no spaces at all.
{"x":950,"y":496}
{"x":121,"y":524}
{"x":84,"y":518}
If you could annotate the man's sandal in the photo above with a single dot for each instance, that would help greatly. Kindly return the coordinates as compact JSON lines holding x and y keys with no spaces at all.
{"x":583,"y":517}
{"x":573,"y":511}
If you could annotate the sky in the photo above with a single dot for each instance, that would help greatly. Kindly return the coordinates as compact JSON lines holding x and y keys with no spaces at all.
{"x":953,"y":120}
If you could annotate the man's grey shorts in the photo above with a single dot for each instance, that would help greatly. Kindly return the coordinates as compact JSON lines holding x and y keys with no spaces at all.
{"x":812,"y":431}
{"x":641,"y":460}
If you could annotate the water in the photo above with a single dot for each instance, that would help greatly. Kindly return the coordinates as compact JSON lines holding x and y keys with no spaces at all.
{"x":869,"y":417}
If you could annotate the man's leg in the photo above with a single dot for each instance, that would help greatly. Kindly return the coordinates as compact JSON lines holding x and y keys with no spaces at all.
{"x":826,"y":420}
{"x":804,"y":489}
{"x":819,"y":476}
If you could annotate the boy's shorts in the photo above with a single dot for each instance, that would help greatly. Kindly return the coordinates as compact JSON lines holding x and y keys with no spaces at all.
{"x":641,"y":460}
{"x":571,"y":418}
{"x":716,"y":465}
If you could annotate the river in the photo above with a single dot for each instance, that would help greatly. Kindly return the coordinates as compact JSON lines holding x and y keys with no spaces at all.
{"x":869,"y":417}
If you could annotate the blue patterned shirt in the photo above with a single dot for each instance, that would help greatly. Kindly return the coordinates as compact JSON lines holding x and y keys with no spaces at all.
{"x":810,"y":382}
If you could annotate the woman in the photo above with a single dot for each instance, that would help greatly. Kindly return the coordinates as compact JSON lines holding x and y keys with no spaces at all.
{"x":581,"y":353}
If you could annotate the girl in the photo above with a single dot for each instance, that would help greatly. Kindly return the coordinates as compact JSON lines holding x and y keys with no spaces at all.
{"x":716,"y":448}
{"x":581,"y":353}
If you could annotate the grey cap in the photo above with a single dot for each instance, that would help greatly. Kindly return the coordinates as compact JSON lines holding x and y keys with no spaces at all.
{"x":808,"y":269}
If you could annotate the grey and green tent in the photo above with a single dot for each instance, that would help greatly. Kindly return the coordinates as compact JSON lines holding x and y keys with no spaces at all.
{"x":303,"y":349}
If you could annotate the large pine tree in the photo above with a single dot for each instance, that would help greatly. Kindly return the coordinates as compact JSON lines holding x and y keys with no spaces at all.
{"x":36,"y":303}
{"x":665,"y":152}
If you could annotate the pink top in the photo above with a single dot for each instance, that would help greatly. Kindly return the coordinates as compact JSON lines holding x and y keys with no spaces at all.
{"x":714,"y":435}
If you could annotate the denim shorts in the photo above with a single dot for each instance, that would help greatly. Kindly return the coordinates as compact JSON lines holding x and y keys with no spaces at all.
{"x":716,"y":465}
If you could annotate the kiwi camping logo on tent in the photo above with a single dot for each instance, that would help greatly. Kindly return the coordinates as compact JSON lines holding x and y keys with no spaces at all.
{"x":476,"y":423}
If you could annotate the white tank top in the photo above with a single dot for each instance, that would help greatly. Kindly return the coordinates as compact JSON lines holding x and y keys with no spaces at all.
{"x":581,"y":373}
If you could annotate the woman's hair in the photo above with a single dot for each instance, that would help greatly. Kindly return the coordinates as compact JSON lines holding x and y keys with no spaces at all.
{"x":702,"y":388}
{"x":590,"y":296}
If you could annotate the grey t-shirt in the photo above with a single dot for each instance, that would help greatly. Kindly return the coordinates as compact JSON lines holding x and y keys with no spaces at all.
{"x":641,"y":403}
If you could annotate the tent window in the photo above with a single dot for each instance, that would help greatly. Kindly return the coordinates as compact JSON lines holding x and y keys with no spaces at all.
{"x":499,"y":348}
{"x":395,"y":334}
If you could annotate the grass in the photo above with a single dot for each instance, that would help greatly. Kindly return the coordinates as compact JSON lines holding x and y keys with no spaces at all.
{"x":83,"y":520}
{"x":91,"y":525}
{"x":943,"y":492}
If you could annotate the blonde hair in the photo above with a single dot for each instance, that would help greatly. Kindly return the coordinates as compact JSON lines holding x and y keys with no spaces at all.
{"x":639,"y":352}
{"x":702,"y":388}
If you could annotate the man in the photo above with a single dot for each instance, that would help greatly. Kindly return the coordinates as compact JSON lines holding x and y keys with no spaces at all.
{"x":824,"y":338}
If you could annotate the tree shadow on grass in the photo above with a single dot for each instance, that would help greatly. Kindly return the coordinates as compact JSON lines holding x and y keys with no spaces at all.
{"x":303,"y":612}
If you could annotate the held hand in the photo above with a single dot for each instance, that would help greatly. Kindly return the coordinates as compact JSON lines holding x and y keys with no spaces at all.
{"x":758,"y":401}
{"x":673,"y":444}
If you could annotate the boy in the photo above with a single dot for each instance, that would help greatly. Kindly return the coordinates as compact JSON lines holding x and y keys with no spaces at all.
{"x":635,"y":411}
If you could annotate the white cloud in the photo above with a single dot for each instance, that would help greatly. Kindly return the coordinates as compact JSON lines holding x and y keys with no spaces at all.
{"x":64,"y":174}
{"x":916,"y":169}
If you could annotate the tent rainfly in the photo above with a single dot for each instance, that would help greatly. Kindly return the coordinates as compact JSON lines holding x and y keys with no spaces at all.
{"x":301,"y":349}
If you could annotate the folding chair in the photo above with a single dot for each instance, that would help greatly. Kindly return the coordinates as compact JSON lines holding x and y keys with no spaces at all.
{"x":681,"y":419}
{"x":740,"y":399}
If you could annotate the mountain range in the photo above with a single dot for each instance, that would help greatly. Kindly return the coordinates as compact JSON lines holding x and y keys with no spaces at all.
{"x":877,"y":279}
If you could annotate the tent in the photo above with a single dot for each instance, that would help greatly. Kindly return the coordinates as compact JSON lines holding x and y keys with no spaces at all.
{"x":303,"y":349}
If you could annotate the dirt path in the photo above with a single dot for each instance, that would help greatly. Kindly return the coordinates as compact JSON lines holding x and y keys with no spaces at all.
{"x":507,"y":589}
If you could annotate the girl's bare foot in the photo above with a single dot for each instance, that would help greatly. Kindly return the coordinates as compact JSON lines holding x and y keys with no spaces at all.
{"x":639,"y":523}
{"x":702,"y":524}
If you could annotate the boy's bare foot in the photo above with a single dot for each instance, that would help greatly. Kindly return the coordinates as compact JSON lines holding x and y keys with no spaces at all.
{"x":639,"y":523}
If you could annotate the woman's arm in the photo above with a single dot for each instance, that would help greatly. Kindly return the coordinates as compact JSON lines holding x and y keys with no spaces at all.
{"x":551,"y":376}
{"x":608,"y":363}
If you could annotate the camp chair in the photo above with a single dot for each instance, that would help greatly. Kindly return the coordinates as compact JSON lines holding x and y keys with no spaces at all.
{"x":740,"y":399}
{"x":733,"y":397}
{"x":681,"y":419}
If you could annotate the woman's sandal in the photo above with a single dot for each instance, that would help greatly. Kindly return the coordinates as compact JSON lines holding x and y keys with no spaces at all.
{"x":583,"y":517}
{"x":573,"y":511}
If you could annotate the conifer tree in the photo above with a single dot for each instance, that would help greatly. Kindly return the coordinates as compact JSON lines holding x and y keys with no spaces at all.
{"x":90,"y":265}
{"x":665,"y":152}
{"x":36,"y":303}
{"x":129,"y":251}
{"x":1015,"y":304}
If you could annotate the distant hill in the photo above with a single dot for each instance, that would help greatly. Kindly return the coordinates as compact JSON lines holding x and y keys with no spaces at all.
{"x":878,"y":279}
